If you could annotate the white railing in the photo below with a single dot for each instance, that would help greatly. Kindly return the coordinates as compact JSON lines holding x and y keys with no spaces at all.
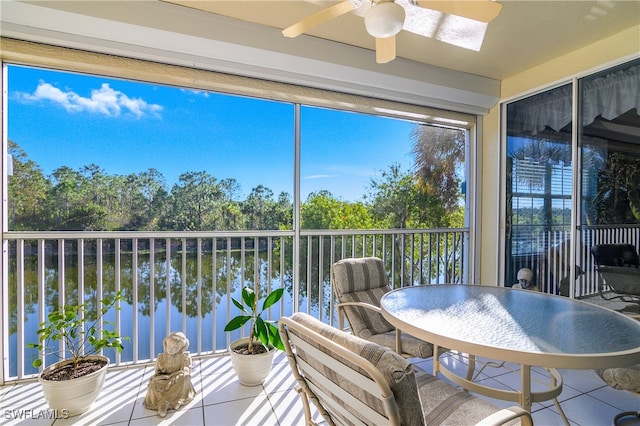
{"x":184,"y":280}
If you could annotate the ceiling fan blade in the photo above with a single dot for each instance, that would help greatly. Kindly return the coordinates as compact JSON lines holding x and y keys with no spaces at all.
{"x":385,"y":49}
{"x":319,"y":18}
{"x":478,"y":10}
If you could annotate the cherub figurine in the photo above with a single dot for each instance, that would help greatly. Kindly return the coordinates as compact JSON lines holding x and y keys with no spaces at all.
{"x":525,"y":280}
{"x":170,"y":387}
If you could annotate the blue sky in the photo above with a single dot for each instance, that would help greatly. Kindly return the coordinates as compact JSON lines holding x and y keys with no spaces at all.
{"x":67,"y":119}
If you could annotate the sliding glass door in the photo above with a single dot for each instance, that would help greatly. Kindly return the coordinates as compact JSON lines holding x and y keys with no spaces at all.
{"x":553,"y":218}
{"x":609,"y":140}
{"x":539,"y":184}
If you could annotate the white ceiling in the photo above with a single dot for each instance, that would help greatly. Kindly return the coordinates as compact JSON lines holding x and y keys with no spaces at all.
{"x":525,"y":34}
{"x":244,"y":37}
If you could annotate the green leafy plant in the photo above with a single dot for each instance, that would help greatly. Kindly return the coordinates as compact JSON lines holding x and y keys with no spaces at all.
{"x":79,"y":333}
{"x":265,"y":331}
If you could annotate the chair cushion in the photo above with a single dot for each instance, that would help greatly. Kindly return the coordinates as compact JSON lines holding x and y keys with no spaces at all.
{"x":397,"y":370}
{"x":444,"y":404}
{"x":362,"y":280}
{"x":410,"y":345}
{"x":625,"y":378}
{"x":365,"y":322}
{"x":358,"y":274}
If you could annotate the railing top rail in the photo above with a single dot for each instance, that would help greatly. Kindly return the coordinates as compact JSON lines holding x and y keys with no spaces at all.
{"x":612,"y":226}
{"x":26,"y":235}
{"x":330,"y":232}
{"x":54,"y":235}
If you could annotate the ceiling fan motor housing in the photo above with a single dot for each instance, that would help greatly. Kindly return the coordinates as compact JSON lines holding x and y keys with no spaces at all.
{"x":384,"y":19}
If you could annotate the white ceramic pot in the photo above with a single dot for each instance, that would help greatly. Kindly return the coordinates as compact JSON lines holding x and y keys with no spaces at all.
{"x":251,"y":369}
{"x":75,"y":395}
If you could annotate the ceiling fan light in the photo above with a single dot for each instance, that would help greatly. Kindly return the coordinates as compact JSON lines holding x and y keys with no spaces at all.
{"x":384,"y":19}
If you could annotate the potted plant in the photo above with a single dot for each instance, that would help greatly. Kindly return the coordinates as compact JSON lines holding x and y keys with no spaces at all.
{"x":252,"y":356}
{"x":72,"y":384}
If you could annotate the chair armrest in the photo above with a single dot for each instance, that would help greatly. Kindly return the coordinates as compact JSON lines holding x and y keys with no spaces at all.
{"x":340,"y":308}
{"x":362,"y":304}
{"x":623,"y":270}
{"x":507,"y":414}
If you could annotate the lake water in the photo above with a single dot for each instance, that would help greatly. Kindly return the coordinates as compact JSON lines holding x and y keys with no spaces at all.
{"x":183,"y":269}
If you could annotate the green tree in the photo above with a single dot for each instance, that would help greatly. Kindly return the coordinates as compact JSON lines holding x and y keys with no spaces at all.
{"x":194,"y":203}
{"x":395,"y":199}
{"x":28,"y":191}
{"x":145,"y":194}
{"x":255,"y":207}
{"x":76,"y":204}
{"x":323,"y":211}
{"x":262,"y":211}
{"x":439,"y":162}
{"x":230,"y":209}
{"x":283,"y":211}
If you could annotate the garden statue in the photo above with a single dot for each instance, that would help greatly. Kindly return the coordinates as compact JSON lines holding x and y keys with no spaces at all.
{"x":525,"y":280}
{"x":170,"y":387}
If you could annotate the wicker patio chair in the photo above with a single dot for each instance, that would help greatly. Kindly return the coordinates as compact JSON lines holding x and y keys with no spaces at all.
{"x":352,"y":381}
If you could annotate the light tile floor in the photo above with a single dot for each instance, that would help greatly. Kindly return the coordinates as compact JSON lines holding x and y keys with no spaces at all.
{"x":221,"y":400}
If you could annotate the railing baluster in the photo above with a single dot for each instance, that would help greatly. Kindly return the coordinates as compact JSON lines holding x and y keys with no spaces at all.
{"x":80,"y":301}
{"x":412,"y":254}
{"x":134,"y":294}
{"x":183,"y":285}
{"x":403,"y":260}
{"x":214,"y":291}
{"x":20,"y":305}
{"x":99,"y":289}
{"x":167,"y":303}
{"x":282,"y":273}
{"x":269,"y":267}
{"x":42,"y":309}
{"x":228,"y":274}
{"x":118,"y":286}
{"x":447,"y":277}
{"x":61,"y":289}
{"x":393,"y":261}
{"x":199,"y":294}
{"x":308,"y":280}
{"x":152,"y":297}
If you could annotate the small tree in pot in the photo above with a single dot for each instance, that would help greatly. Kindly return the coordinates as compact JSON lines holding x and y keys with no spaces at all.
{"x":74,"y":383}
{"x":252,"y":357}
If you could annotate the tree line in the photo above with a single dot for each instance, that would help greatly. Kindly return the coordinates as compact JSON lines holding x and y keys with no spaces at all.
{"x":90,"y":199}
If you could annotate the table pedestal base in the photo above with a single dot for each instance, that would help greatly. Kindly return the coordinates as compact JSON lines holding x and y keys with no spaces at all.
{"x":525,"y":397}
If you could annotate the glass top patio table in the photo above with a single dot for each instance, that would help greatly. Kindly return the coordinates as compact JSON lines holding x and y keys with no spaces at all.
{"x":520,"y":326}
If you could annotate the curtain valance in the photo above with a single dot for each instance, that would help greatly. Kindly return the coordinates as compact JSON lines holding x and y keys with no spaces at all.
{"x":608,"y":96}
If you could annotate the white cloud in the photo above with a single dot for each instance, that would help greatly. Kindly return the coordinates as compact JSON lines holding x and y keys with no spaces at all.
{"x":196,"y":92}
{"x":319,"y":176}
{"x":104,"y":100}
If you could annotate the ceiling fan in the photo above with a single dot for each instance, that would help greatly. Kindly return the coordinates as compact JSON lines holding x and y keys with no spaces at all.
{"x":383,"y":19}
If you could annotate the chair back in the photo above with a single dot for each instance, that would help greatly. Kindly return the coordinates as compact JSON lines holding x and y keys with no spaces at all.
{"x":350,"y":380}
{"x":361,"y":280}
{"x":615,"y":255}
